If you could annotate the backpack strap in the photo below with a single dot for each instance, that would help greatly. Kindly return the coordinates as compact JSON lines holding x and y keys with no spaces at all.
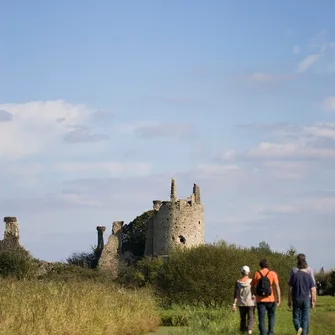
{"x":267,"y":273}
{"x":261,"y":273}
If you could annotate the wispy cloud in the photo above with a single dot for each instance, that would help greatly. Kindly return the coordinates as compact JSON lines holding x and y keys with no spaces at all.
{"x":83,"y":134}
{"x":294,"y":142}
{"x":269,"y":77}
{"x":321,"y":51}
{"x":102,"y":115}
{"x":178,"y":130}
{"x":108,"y":168}
{"x":307,"y":62}
{"x":151,"y":129}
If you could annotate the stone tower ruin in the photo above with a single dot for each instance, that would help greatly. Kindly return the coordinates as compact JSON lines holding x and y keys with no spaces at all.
{"x":175,"y":223}
{"x":11,"y":229}
{"x":111,"y":251}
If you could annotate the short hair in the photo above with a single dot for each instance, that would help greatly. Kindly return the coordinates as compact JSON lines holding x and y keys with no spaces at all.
{"x":263,"y":263}
{"x":302,"y":264}
{"x":301,"y":257}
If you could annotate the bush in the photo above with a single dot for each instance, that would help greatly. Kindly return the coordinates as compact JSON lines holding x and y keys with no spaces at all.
{"x":327,"y":281}
{"x":206,"y":275}
{"x":85,"y":259}
{"x":144,"y":273}
{"x":16,"y":262}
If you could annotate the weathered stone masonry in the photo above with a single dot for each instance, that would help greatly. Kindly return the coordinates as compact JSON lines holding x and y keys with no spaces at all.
{"x":111,"y":252}
{"x":11,"y":229}
{"x":176,"y":223}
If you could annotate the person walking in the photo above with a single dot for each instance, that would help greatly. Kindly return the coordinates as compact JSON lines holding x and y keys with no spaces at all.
{"x":244,"y":299}
{"x":265,"y":286}
{"x":302,"y":293}
{"x":301,"y":257}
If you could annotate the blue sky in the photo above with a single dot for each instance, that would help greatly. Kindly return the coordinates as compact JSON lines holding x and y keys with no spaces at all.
{"x":101,"y":103}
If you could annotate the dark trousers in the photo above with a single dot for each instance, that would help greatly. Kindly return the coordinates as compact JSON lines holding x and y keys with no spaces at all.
{"x":247,"y":318}
{"x":270,"y":309}
{"x":300,"y":313}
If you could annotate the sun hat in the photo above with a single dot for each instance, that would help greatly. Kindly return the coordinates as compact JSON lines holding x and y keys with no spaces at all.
{"x":245,"y":268}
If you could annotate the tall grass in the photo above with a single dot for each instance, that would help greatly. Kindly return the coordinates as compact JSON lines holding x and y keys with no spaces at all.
{"x":73,"y":308}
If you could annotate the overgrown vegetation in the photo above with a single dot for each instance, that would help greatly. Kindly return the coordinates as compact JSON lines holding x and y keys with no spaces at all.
{"x":133,"y":234}
{"x":206,"y":275}
{"x":39,"y":308}
{"x":193,"y":288}
{"x":15,"y":261}
{"x":88,"y":260}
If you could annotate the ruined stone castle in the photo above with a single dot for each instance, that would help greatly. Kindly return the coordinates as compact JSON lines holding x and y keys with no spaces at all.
{"x":178,"y":222}
{"x":175,"y":223}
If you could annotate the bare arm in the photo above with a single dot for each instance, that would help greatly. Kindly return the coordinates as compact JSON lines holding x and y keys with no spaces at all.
{"x":313,"y":295}
{"x":278,"y":294}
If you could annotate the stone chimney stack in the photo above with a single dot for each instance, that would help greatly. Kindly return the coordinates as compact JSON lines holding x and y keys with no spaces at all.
{"x":101,"y":230}
{"x":11,"y":229}
{"x":196,"y":192}
{"x":173,"y":190}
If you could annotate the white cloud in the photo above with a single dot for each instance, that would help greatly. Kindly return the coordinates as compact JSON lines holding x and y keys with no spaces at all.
{"x":36,"y":126}
{"x":307,"y":62}
{"x":111,"y":169}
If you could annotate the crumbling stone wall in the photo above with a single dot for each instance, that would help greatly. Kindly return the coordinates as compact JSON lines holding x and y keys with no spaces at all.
{"x":111,"y":252}
{"x":176,"y":223}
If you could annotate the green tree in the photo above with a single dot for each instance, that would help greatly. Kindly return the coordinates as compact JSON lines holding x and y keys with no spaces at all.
{"x":263,"y":246}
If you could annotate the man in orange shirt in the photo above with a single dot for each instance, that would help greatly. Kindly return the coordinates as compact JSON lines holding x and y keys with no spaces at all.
{"x":264,"y":284}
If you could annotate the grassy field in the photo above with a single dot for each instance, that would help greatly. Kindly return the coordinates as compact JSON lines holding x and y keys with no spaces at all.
{"x":92,"y":308}
{"x":76,"y":308}
{"x":223,"y":321}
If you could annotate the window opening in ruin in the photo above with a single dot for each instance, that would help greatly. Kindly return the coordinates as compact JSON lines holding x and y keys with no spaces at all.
{"x":199,"y":222}
{"x":182,"y":239}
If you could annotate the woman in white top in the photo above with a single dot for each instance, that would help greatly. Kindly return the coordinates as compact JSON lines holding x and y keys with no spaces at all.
{"x":244,"y":299}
